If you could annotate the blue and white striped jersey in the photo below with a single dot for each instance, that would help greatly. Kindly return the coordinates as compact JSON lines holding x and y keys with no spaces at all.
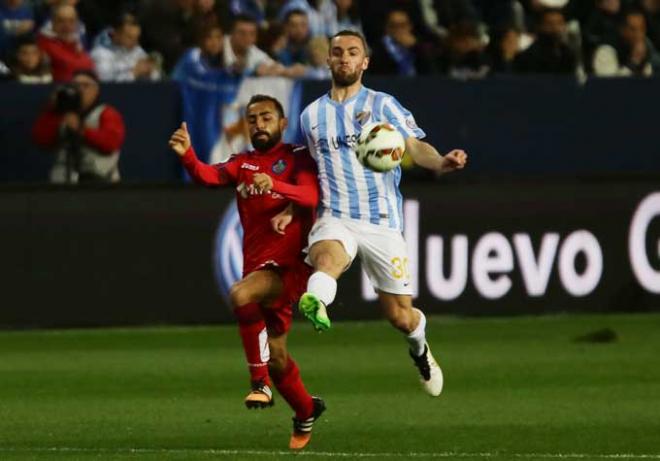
{"x":349,"y":190}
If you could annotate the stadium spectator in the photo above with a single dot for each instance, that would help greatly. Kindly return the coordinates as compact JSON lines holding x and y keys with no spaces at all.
{"x":374,"y":15}
{"x":85,"y":134}
{"x":272,"y":39}
{"x":440,"y":15}
{"x":241,"y":52}
{"x":313,"y":10}
{"x":123,"y":59}
{"x":28,"y":63}
{"x":64,"y":48}
{"x":549,"y":54}
{"x":207,"y":86}
{"x":16,"y":19}
{"x":296,"y":26}
{"x":634,"y":54}
{"x":503,"y":48}
{"x":465,"y":57}
{"x":400,"y":51}
{"x":341,"y":15}
{"x":81,"y":29}
{"x":496,"y":14}
{"x":601,"y":27}
{"x":98,"y":15}
{"x":652,"y":10}
{"x":318,"y":69}
{"x":263,"y":11}
{"x":173,"y":27}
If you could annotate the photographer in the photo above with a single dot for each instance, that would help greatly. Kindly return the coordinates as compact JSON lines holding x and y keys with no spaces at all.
{"x":85,"y":134}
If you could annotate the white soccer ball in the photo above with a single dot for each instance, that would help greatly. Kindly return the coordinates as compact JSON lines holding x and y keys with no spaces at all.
{"x":380,"y":147}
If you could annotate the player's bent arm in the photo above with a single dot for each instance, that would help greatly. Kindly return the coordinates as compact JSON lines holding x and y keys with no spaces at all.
{"x":424,"y":154}
{"x":305,"y":191}
{"x":202,"y":173}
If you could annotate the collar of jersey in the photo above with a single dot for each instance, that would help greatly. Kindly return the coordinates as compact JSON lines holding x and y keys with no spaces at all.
{"x":336,"y":103}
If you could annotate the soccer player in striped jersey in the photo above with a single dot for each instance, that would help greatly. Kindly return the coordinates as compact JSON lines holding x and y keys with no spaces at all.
{"x":360,"y":210}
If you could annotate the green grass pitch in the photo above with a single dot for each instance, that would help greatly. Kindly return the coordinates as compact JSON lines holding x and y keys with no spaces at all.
{"x":515,"y":389}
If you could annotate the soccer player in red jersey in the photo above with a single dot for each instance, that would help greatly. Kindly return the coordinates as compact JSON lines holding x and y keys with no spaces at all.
{"x":268,"y":179}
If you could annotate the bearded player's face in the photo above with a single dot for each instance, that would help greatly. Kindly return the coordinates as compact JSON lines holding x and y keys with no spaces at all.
{"x":265,"y":125}
{"x":347,"y":60}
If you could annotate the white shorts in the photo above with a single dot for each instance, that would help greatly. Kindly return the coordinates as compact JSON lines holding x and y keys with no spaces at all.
{"x":383,"y":251}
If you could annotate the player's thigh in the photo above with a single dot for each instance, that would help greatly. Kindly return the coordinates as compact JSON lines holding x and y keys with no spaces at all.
{"x":332,"y":246}
{"x":278,"y":351}
{"x":384,"y":257}
{"x":259,"y":286}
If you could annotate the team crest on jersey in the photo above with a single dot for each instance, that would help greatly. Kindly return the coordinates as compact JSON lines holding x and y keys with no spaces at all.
{"x":411,"y":123}
{"x":362,"y":117}
{"x":279,"y":166}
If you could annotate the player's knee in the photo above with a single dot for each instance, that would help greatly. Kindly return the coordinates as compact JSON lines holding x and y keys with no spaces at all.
{"x":239,"y":296}
{"x":326,"y":262}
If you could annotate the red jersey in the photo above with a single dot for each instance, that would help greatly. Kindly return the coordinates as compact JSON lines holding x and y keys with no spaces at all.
{"x":294,"y":176}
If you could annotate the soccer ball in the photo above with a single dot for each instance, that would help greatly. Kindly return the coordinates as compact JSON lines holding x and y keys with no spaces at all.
{"x":380,"y":147}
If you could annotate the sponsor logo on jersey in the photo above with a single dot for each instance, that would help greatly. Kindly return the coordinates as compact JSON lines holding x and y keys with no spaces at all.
{"x":338,"y":142}
{"x":279,"y":166}
{"x":249,"y":166}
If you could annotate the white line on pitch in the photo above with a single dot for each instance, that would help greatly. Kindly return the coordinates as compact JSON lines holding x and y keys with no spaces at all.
{"x":222,"y":452}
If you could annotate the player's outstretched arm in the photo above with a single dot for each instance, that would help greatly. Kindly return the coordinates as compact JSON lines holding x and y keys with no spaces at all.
{"x":426,"y":156}
{"x":201,"y":173}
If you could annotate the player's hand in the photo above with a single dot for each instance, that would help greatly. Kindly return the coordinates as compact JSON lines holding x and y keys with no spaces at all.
{"x":262,"y":182}
{"x":282,"y":219}
{"x":454,"y":160}
{"x":180,"y":140}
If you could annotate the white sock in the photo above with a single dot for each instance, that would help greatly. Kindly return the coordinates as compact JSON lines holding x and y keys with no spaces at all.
{"x":323,"y":286}
{"x":417,"y":338}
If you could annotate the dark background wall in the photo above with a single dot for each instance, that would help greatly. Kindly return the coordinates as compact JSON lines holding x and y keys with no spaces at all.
{"x":136,"y":255}
{"x":508,"y":125}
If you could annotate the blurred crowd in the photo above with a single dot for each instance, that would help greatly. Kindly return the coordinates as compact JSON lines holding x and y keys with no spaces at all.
{"x":49,"y":40}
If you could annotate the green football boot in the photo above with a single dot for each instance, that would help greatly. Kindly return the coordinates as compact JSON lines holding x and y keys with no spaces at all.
{"x":314,"y":309}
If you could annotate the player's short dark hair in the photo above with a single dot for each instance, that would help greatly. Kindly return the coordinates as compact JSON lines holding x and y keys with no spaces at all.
{"x":266,"y":98}
{"x":242,"y":18}
{"x":352,"y":33}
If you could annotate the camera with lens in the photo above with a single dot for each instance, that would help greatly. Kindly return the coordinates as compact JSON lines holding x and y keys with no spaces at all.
{"x":67,"y":99}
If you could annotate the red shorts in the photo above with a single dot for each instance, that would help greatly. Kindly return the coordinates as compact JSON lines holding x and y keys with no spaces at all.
{"x":294,"y":281}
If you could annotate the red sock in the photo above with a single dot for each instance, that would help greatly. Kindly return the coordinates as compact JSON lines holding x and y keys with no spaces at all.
{"x":290,"y":386}
{"x":252,"y":328}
